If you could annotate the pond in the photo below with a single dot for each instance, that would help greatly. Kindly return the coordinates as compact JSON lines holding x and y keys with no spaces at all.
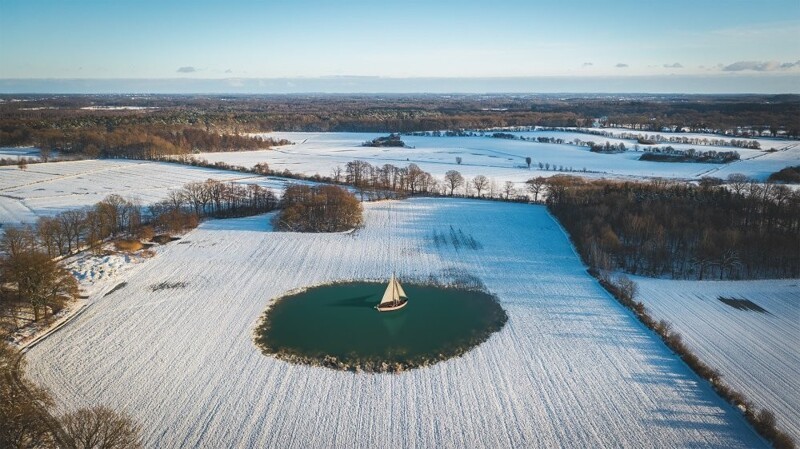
{"x":338,"y":327}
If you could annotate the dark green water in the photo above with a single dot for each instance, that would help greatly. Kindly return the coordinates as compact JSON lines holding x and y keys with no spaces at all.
{"x":340,"y":320}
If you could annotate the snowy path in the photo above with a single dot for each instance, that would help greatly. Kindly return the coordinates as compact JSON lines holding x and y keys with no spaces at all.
{"x":572,"y":368}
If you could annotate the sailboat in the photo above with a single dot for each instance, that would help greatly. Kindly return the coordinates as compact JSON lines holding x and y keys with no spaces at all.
{"x":394,"y":298}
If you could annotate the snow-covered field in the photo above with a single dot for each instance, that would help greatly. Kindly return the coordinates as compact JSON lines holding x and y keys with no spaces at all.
{"x":757,"y":353}
{"x":766,"y":143}
{"x":19,"y":152}
{"x":47,"y":189}
{"x":571,"y":368}
{"x":499,"y":159}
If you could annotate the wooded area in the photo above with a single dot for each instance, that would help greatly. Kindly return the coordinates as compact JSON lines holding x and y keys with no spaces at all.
{"x":322,"y":208}
{"x":742,"y":230}
{"x":165,"y":124}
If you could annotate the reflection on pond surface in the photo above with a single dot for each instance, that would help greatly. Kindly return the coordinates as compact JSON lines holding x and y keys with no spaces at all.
{"x":337,"y":326}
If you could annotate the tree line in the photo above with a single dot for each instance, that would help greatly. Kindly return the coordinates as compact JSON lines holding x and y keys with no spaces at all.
{"x":133,"y":141}
{"x":742,"y":230}
{"x":404,"y":112}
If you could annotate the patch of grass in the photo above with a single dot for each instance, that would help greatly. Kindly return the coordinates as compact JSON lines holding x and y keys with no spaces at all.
{"x":166,"y":285}
{"x":129,"y":246}
{"x":163,"y":239}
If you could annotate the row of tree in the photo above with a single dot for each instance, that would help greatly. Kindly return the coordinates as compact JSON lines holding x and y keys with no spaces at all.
{"x":212,"y":198}
{"x":666,"y":137}
{"x":670,"y":154}
{"x":741,"y":230}
{"x":136,"y":141}
{"x":33,"y":284}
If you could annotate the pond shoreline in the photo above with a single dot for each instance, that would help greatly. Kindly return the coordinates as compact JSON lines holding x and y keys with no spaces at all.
{"x":491,"y":316}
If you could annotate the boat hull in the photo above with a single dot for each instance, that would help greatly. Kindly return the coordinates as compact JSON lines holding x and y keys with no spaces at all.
{"x":392,"y":307}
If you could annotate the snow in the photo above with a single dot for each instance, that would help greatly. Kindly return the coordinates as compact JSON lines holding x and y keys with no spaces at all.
{"x":49,"y":188}
{"x":499,"y":159}
{"x":766,"y":143}
{"x":572,"y":368}
{"x":19,"y":152}
{"x":757,"y":353}
{"x":97,"y":273}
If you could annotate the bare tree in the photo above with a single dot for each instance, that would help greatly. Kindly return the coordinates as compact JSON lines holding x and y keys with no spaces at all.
{"x":101,"y":428}
{"x":44,"y":152}
{"x":415,"y":177}
{"x":21,"y":421}
{"x":73,"y":225}
{"x":458,"y":160}
{"x":536,"y":186}
{"x":509,"y":189}
{"x":453,"y":180}
{"x":480,"y":183}
{"x":627,"y":287}
{"x":493,"y":188}
{"x":39,"y":280}
{"x":50,"y":235}
{"x":738,"y":182}
{"x":262,"y":168}
{"x":17,"y":240}
{"x":528,"y":161}
{"x":336,"y":174}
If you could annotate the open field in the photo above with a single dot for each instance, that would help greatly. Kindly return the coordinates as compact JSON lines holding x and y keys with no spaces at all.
{"x":756,"y":352}
{"x":499,"y":159}
{"x":50,"y":188}
{"x":571,"y":368}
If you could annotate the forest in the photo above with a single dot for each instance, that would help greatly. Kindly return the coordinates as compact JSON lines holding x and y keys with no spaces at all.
{"x":74,"y":124}
{"x":743,"y":230}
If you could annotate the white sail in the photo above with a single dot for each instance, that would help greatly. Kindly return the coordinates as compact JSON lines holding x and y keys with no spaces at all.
{"x":390,"y":295}
{"x":399,"y":290}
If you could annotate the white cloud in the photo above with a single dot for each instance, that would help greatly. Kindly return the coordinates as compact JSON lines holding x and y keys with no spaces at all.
{"x":760,"y":66}
{"x":186,"y":69}
{"x":621,"y":65}
{"x":676,"y":65}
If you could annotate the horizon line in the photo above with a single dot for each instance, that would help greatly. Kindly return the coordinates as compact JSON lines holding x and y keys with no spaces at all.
{"x":688,"y":84}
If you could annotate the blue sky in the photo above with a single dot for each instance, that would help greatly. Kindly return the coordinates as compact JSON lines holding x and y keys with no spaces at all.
{"x":759,"y":42}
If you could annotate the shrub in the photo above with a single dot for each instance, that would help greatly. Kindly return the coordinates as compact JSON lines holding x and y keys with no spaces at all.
{"x":162,"y":239}
{"x":790,"y":175}
{"x":129,"y":246}
{"x":145,"y":233}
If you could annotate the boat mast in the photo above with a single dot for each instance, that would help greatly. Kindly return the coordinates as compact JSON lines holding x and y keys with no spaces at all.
{"x":394,"y":289}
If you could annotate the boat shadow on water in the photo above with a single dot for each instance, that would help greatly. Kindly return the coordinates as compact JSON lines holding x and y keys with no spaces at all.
{"x":366,"y":301}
